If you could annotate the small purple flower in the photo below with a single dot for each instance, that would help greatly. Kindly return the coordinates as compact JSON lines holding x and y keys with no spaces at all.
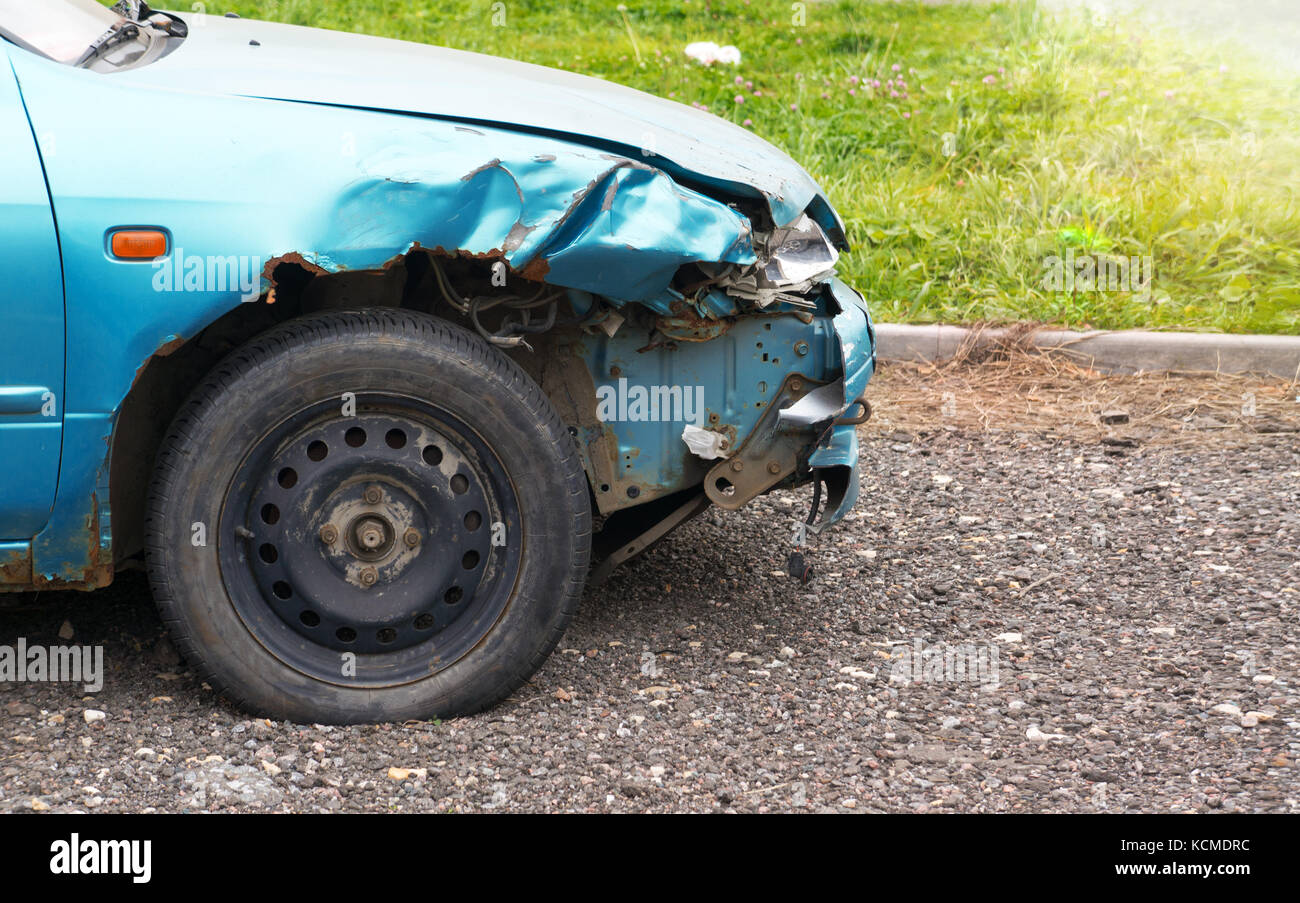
{"x":740,"y":98}
{"x":896,"y":68}
{"x":740,"y":79}
{"x":747,"y":123}
{"x":1103,"y":94}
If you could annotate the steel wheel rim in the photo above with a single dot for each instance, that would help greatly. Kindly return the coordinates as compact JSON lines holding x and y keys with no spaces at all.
{"x":425,"y":549}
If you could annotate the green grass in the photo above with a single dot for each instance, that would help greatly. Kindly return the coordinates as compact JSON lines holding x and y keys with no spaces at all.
{"x":1189,"y":157}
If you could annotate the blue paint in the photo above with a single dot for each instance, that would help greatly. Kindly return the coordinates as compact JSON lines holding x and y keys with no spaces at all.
{"x":31,"y":365}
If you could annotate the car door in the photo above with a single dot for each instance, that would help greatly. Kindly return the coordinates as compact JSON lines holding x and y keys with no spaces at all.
{"x":31,"y":324}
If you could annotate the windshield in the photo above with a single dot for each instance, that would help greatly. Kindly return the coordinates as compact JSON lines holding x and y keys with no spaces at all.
{"x":61,"y":29}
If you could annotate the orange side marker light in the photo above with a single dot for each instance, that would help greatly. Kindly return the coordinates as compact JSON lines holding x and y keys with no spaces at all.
{"x":139,"y":245}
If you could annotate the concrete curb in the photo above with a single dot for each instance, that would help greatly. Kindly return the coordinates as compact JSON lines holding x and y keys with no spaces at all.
{"x":1112,"y":352}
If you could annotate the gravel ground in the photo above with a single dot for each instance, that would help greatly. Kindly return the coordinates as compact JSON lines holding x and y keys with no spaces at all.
{"x":1127,"y":613}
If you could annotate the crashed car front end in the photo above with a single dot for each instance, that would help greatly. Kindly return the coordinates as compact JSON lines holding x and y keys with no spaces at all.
{"x":666,"y":277}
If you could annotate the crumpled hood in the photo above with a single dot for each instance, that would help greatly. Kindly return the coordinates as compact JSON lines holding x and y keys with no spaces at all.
{"x":330,"y":67}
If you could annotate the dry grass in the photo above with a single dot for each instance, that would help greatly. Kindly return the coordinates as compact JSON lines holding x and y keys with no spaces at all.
{"x":1013,"y":390}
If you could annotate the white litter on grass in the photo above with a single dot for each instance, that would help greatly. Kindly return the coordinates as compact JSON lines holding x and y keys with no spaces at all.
{"x":708,"y":53}
{"x":704,"y":443}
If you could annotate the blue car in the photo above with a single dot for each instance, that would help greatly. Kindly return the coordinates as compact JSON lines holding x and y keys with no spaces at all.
{"x":375,"y":353}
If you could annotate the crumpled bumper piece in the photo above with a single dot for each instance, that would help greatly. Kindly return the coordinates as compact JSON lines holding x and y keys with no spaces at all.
{"x":836,"y":458}
{"x":837,"y":464}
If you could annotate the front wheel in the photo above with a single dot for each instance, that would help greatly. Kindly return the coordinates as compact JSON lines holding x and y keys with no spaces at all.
{"x":367,"y":516}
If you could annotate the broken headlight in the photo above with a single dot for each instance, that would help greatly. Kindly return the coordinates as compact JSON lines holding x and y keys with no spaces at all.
{"x":791,"y":261}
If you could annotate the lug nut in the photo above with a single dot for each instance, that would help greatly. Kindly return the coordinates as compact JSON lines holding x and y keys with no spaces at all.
{"x":801,"y":348}
{"x":411,"y":537}
{"x":329,"y":534}
{"x":737,"y":466}
{"x":773,"y":468}
{"x":373,"y":495}
{"x":369,"y":576}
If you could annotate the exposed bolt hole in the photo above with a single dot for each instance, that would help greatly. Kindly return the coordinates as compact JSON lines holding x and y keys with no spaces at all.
{"x":469,"y":560}
{"x":724,"y":486}
{"x":281,"y":589}
{"x":268,"y":553}
{"x":317,"y":451}
{"x":345,"y":635}
{"x":355,"y":437}
{"x":453,"y":595}
{"x":395,"y":438}
{"x":459,"y":484}
{"x":287,"y":478}
{"x":309,"y":619}
{"x":432,"y":455}
{"x":387,"y":635}
{"x":270,"y":514}
{"x":473,"y":520}
{"x":424,"y":622}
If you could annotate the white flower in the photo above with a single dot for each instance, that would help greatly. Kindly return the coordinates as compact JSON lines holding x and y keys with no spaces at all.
{"x":708,"y":53}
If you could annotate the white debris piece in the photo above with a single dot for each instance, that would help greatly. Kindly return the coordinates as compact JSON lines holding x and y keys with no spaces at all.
{"x":708,"y":53}
{"x":704,"y":443}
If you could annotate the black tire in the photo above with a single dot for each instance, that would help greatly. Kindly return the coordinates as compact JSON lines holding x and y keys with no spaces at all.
{"x":255,"y":410}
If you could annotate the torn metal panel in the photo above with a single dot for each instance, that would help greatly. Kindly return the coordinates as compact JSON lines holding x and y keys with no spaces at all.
{"x":819,"y":406}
